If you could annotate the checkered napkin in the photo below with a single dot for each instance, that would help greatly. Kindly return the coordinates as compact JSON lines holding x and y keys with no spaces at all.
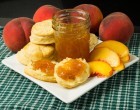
{"x":121,"y":92}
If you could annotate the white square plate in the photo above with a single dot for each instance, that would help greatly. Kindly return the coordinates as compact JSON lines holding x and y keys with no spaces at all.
{"x":66,"y":95}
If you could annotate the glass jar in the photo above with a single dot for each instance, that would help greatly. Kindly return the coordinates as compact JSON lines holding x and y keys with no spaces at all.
{"x":72,"y":33}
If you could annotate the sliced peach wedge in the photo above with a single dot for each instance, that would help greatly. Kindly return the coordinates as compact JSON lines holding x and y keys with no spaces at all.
{"x":125,"y":59}
{"x":100,"y":69}
{"x":105,"y":54}
{"x":120,"y":67}
{"x":118,"y":47}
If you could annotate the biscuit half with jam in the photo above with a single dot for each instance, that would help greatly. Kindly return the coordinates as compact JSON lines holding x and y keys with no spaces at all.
{"x":41,"y":69}
{"x":70,"y":73}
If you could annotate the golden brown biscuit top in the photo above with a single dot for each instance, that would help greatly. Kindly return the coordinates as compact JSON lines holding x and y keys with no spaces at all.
{"x":43,"y":28}
{"x":70,"y":69}
{"x":45,"y":66}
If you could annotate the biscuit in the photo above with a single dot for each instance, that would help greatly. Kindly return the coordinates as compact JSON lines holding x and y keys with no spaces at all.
{"x":42,"y":32}
{"x":42,"y":39}
{"x":34,"y":52}
{"x":21,"y":57}
{"x":70,"y":73}
{"x":42,"y":70}
{"x":43,"y":28}
{"x":93,"y":41}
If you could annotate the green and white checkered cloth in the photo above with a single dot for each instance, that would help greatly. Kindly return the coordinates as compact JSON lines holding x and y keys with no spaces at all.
{"x":120,"y":92}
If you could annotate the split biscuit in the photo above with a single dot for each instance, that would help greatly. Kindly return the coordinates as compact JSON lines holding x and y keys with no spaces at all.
{"x":70,"y":73}
{"x":42,"y":70}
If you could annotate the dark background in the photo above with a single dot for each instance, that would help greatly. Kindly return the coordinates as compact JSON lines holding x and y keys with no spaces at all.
{"x":17,"y":8}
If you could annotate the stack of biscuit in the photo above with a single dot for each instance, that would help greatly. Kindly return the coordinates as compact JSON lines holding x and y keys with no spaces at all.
{"x":38,"y":53}
{"x":42,"y":33}
{"x":41,"y":45}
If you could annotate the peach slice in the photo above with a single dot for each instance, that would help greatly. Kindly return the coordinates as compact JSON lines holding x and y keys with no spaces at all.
{"x":100,"y":68}
{"x":120,"y":67}
{"x":105,"y":54}
{"x":125,"y":59}
{"x":120,"y":48}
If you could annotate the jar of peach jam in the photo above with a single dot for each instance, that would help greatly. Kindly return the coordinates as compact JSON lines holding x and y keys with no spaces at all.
{"x":72,"y":33}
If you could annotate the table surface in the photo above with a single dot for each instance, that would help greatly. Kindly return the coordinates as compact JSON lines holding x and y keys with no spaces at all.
{"x":121,"y":92}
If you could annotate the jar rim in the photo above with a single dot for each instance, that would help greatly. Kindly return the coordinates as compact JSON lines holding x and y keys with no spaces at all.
{"x":59,"y":14}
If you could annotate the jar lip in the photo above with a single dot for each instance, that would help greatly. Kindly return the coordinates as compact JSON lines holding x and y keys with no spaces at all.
{"x":80,"y":11}
{"x":72,"y":10}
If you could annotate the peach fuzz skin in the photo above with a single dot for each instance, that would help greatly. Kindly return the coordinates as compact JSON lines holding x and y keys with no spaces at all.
{"x":116,"y":26}
{"x":44,"y":12}
{"x":16,"y":33}
{"x":96,"y":15}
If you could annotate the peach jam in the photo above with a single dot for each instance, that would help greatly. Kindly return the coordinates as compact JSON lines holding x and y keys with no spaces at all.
{"x":72,"y":33}
{"x":71,"y":69}
{"x":45,"y":66}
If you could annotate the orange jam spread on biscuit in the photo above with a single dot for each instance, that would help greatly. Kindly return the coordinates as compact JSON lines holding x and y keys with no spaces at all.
{"x":45,"y":66}
{"x":71,"y":69}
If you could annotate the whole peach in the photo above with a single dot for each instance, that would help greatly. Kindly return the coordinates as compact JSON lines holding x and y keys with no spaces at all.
{"x":95,"y":13}
{"x":116,"y":26}
{"x":44,"y":12}
{"x":16,"y":33}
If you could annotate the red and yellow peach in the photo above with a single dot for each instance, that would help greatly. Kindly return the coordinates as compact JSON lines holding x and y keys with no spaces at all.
{"x":16,"y":33}
{"x":95,"y":13}
{"x":116,"y":26}
{"x":44,"y":12}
